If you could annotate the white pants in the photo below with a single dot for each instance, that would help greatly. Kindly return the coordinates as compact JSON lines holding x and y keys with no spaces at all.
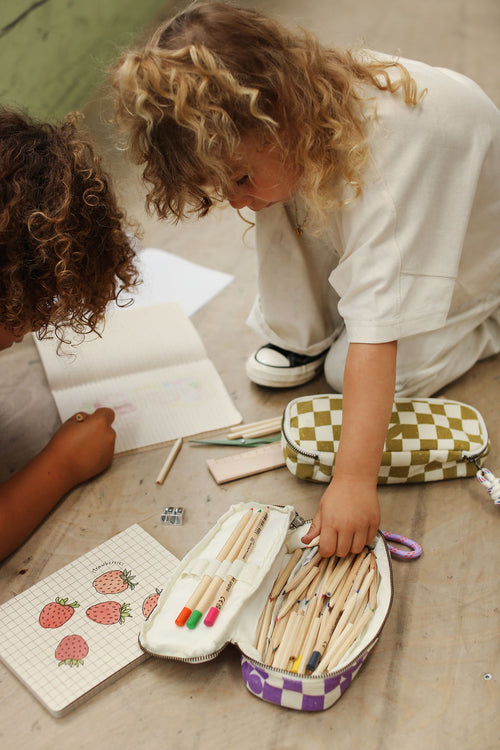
{"x":296,"y":309}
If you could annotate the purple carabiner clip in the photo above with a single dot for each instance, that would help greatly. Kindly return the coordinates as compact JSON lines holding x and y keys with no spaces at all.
{"x":414,"y":549}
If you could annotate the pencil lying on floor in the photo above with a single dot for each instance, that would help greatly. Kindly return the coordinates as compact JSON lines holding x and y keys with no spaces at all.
{"x":169,"y":461}
{"x":223,"y":553}
{"x":256,"y":429}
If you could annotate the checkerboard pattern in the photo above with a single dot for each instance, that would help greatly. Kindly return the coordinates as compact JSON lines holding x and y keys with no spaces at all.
{"x":427,"y":439}
{"x":299,"y":692}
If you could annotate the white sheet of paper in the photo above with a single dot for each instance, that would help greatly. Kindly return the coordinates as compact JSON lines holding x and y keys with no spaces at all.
{"x":170,"y":278}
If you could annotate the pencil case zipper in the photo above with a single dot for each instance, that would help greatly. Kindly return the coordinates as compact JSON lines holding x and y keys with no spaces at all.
{"x":292,"y":448}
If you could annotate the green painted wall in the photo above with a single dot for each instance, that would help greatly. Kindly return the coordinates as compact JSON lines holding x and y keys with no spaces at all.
{"x":54,"y":53}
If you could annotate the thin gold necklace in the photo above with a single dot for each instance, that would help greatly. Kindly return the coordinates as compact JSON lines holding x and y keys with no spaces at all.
{"x":300,"y":225}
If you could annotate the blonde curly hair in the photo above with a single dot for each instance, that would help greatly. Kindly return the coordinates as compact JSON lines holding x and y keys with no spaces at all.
{"x":64,"y":252}
{"x":216,"y":74}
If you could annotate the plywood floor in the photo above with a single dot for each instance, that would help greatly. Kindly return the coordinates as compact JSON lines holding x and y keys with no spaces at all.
{"x":425,"y":683}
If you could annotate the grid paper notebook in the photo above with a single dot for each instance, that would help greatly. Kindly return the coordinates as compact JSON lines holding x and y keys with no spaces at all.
{"x":65,"y":662}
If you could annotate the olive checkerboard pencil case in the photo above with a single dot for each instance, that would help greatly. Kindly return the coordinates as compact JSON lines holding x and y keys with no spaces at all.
{"x":428,"y":439}
{"x":304,"y":625}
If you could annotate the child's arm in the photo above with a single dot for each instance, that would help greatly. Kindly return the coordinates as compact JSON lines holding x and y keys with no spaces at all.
{"x":77,"y":451}
{"x":349,"y":514}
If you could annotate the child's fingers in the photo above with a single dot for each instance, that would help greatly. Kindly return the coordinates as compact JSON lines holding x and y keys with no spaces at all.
{"x":105,"y":413}
{"x":329,"y":542}
{"x":102,"y":413}
{"x":359,"y":541}
{"x":313,"y":532}
{"x":344,"y":544}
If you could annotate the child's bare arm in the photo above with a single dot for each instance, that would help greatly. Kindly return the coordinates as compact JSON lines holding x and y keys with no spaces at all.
{"x":78,"y":451}
{"x":348,"y":515}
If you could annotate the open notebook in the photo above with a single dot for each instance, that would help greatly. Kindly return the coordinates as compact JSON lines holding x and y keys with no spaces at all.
{"x":63,"y":654}
{"x":151,"y":367}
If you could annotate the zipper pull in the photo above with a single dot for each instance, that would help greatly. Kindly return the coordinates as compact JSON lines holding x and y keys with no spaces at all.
{"x":491,"y":483}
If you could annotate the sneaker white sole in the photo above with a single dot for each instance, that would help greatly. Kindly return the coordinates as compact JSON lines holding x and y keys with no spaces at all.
{"x":281,"y":377}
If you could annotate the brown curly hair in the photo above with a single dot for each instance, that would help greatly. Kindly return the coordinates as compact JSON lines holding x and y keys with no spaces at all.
{"x":64,"y":253}
{"x":215,"y":74}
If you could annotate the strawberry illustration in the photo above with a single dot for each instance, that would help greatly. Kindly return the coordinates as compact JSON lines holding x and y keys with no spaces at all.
{"x":56,"y":613}
{"x":114,"y":582}
{"x":71,"y":651}
{"x":150,"y":603}
{"x":108,"y":613}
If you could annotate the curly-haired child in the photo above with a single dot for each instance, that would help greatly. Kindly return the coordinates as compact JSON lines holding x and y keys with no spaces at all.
{"x":63,"y":257}
{"x":376,"y":183}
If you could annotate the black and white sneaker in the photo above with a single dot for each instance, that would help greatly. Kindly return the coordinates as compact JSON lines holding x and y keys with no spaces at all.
{"x":278,"y":368}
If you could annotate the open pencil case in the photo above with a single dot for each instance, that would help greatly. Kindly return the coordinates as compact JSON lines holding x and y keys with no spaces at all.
{"x":247,"y":617}
{"x":427,"y":439}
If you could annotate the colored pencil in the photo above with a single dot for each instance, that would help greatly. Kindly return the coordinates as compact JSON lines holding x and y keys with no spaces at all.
{"x":343,"y":622}
{"x":225,"y":550}
{"x":308,"y":645}
{"x":295,"y":594}
{"x":285,"y":573}
{"x":263,"y":628}
{"x":303,"y":572}
{"x":218,"y":579}
{"x":273,"y":424}
{"x":374,"y":584}
{"x":230,"y":581}
{"x":349,"y":639}
{"x":169,"y":461}
{"x":328,"y":624}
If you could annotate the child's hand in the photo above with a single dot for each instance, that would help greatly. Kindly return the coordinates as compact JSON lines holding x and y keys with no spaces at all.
{"x":83,"y":446}
{"x":347,"y":519}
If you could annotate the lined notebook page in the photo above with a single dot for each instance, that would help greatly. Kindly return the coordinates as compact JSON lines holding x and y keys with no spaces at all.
{"x":151,"y":367}
{"x":29,"y":648}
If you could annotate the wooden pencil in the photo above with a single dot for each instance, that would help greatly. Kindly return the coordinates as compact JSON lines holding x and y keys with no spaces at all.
{"x":329,"y":623}
{"x":343,"y":622}
{"x":303,"y":572}
{"x":263,"y":628}
{"x":258,"y":432}
{"x":314,"y":542}
{"x":374,"y":584}
{"x":218,"y":579}
{"x":275,"y":638}
{"x":230,"y":581}
{"x":316,"y":583}
{"x":349,"y":639}
{"x":169,"y":461}
{"x":237,"y":432}
{"x":296,"y":593}
{"x":285,"y":573}
{"x":282,"y":656}
{"x":202,"y":586}
{"x":338,"y":574}
{"x":362,"y":568}
{"x":309,"y":644}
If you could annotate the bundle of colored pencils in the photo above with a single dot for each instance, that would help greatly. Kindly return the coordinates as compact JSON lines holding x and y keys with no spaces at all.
{"x":256,"y":429}
{"x":216,"y":585}
{"x":316,"y":610}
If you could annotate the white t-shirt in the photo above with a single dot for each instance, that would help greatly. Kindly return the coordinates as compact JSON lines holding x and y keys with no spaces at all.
{"x":421,"y":245}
